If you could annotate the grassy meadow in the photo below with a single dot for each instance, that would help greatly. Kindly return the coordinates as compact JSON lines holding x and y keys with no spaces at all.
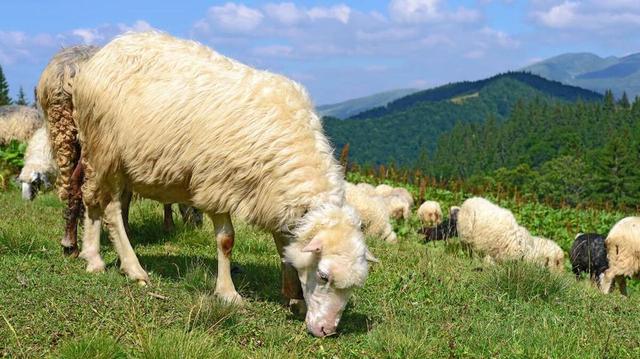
{"x":421,"y":301}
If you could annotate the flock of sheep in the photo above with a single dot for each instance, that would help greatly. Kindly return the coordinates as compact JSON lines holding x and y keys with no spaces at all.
{"x":176,"y":122}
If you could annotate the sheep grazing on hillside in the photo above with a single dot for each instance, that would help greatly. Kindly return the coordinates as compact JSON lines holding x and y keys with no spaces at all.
{"x":623,"y":253}
{"x":372,"y":211}
{"x":39,"y":168}
{"x":589,"y":255}
{"x":18,"y":123}
{"x":430,"y":213}
{"x":397,"y":207}
{"x":546,"y":253}
{"x":388,"y":191}
{"x":493,"y":232}
{"x":369,"y":189}
{"x":445,"y":230}
{"x":177,"y":122}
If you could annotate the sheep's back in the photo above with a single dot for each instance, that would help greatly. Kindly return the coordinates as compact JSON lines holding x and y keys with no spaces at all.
{"x":182,"y":123}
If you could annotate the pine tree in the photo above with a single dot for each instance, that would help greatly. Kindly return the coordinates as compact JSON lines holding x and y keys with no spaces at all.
{"x":22,"y":99}
{"x":624,"y":101}
{"x":4,"y":90}
{"x":609,"y":101}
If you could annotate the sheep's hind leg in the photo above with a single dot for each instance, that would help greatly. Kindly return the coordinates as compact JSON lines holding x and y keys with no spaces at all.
{"x":168,"y":224}
{"x":225,"y":289}
{"x":91,"y":241}
{"x":129,"y":263}
{"x":72,"y":212}
{"x":622,"y":284}
{"x":291,"y":286}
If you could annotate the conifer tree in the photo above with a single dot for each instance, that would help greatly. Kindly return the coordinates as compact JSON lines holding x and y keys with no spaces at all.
{"x":4,"y":90}
{"x":22,"y":99}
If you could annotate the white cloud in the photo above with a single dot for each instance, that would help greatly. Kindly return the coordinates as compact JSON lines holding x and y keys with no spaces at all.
{"x":88,"y":36}
{"x":286,"y":13}
{"x":501,"y":38}
{"x":417,"y":11}
{"x":235,"y":18}
{"x":610,"y":15}
{"x":560,"y":15}
{"x":414,"y":10}
{"x":338,"y":12}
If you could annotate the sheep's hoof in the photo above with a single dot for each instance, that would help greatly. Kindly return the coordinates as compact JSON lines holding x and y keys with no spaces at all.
{"x":142,"y":283}
{"x":298,"y":307}
{"x":96,"y":266}
{"x":137,"y":274}
{"x":72,"y":252}
{"x":230,"y":298}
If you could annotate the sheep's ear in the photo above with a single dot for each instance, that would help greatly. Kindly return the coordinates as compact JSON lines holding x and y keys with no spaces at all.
{"x":315,"y":245}
{"x":370,"y":257}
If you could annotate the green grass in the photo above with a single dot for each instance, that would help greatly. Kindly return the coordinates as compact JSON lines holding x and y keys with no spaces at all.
{"x":421,"y":301}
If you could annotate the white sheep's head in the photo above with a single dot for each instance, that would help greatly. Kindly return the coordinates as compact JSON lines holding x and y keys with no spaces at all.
{"x":331,"y":257}
{"x":33,"y":184}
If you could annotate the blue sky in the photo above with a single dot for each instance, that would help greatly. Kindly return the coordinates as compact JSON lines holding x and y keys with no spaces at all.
{"x":337,"y":49}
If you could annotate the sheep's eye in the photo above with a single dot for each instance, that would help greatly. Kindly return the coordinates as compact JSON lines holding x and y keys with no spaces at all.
{"x":322,"y":276}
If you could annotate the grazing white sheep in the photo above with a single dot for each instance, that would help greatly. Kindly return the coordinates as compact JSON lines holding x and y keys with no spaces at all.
{"x":39,"y":167}
{"x":372,"y":211}
{"x":397,"y":207}
{"x":546,"y":253}
{"x":623,"y":252}
{"x":18,"y":123}
{"x":369,"y":189}
{"x":384,"y":190}
{"x":388,"y":191}
{"x":493,"y":232}
{"x":430,"y":213}
{"x":177,"y":122}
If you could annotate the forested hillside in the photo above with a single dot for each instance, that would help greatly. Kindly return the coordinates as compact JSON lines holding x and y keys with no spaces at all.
{"x":571,"y":153}
{"x":357,"y":105}
{"x":409,"y":127}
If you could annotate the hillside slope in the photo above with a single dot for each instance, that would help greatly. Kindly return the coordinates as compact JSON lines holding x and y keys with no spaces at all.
{"x":411,"y":125}
{"x":355,"y":106}
{"x":593,"y":72}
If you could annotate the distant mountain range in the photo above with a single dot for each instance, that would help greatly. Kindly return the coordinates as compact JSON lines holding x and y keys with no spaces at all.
{"x":586,"y":70}
{"x":405,"y":128}
{"x":355,"y":106}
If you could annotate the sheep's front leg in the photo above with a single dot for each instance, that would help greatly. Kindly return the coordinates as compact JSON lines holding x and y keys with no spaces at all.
{"x":224,"y":238}
{"x":129,"y":263}
{"x":91,"y":240}
{"x":291,"y":286}
{"x":606,"y":279}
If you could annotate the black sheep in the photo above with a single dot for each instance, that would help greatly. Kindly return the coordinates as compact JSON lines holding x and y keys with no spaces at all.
{"x":445,"y":230}
{"x":589,"y":255}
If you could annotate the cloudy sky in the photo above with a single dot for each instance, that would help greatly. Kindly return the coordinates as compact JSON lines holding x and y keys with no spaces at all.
{"x":337,"y":49}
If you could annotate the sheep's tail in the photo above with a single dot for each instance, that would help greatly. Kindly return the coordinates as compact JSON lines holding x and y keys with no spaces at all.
{"x":64,"y":142}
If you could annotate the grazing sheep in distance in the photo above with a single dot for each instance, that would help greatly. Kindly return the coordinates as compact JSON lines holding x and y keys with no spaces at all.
{"x":545,"y":253}
{"x":388,"y":191}
{"x":18,"y":123}
{"x":369,"y":189}
{"x":430,"y":213}
{"x":623,"y":253}
{"x":372,"y":211}
{"x":39,"y":167}
{"x":445,"y":230}
{"x":589,"y":255}
{"x":397,"y":207}
{"x":242,"y":141}
{"x":493,"y":232}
